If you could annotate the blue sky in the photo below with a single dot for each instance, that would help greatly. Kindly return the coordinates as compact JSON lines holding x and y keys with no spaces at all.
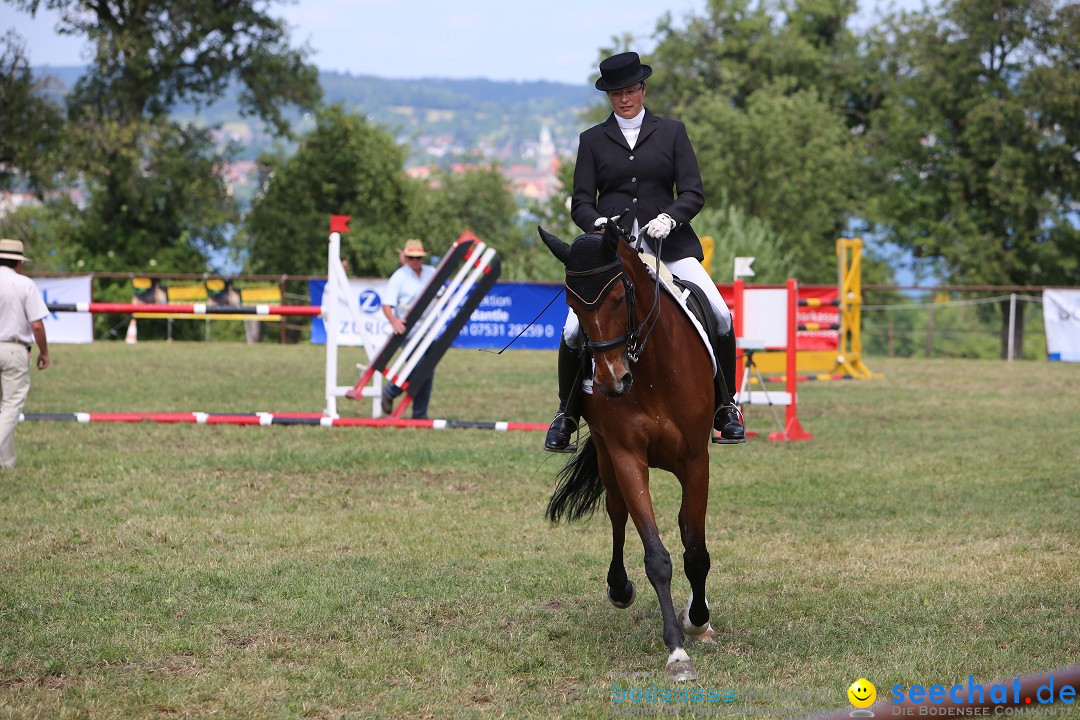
{"x":556,"y":40}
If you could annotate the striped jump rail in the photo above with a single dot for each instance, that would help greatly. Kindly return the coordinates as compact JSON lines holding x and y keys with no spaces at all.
{"x":818,"y":326}
{"x":266,"y":419}
{"x":193,"y":309}
{"x":805,"y":378}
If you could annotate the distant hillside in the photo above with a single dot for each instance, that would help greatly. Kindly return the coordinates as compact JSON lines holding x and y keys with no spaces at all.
{"x":442,"y":120}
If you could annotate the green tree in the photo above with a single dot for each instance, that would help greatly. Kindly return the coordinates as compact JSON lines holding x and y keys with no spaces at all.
{"x":29,"y":123}
{"x":975,"y":147}
{"x":786,"y":159}
{"x":774,"y":96}
{"x":344,"y":166}
{"x":478,"y":199}
{"x":737,"y":47}
{"x":45,"y":235}
{"x":154,"y":185}
{"x":153,"y":54}
{"x":736,"y":233}
{"x":176,"y":208}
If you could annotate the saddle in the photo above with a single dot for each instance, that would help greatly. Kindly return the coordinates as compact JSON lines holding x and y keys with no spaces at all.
{"x":698,"y":304}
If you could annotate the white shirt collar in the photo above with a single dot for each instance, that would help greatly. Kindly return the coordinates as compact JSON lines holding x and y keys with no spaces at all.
{"x":632,"y":123}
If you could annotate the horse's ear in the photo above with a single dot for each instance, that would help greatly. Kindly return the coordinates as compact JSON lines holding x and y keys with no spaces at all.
{"x":612,"y":234}
{"x":558,"y":248}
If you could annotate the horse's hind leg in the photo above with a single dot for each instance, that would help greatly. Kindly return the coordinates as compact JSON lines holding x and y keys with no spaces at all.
{"x":695,"y":618}
{"x":620,"y":590}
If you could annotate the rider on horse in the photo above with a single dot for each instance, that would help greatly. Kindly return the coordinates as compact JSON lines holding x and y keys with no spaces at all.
{"x":627,"y":168}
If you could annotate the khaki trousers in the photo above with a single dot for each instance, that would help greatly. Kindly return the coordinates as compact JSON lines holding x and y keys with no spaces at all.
{"x":14,"y":387}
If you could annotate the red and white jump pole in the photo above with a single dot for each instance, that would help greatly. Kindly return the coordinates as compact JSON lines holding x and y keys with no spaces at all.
{"x":193,"y":309}
{"x":793,"y":430}
{"x":265,"y":419}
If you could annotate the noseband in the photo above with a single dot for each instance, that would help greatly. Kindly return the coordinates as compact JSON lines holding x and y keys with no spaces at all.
{"x":635,"y":337}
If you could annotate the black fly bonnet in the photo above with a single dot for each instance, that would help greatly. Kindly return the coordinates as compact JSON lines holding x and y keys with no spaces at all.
{"x":592,"y":268}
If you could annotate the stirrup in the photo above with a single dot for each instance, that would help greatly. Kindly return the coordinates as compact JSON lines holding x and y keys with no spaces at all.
{"x":740,"y":438}
{"x":561,"y":427}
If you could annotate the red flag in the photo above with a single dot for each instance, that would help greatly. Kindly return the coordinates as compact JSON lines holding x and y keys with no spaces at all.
{"x":339,"y":223}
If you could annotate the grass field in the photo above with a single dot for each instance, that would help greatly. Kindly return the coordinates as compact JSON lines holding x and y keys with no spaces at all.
{"x":928,"y":532}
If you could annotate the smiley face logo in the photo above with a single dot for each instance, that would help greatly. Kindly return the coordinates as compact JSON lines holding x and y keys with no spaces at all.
{"x":862,"y":693}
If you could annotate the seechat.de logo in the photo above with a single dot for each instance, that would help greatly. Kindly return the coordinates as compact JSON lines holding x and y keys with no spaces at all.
{"x":370,"y":302}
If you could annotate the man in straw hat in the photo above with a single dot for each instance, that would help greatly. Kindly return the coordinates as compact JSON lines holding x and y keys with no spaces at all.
{"x":22,"y":310}
{"x":405,"y":285}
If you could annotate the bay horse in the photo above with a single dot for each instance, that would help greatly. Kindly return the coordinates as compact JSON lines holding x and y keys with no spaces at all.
{"x":652,"y":405}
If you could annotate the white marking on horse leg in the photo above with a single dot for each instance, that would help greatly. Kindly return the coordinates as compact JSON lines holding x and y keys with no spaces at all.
{"x":678,"y":655}
{"x":695,"y":632}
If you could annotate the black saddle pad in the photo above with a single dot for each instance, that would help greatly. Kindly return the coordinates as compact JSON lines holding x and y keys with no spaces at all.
{"x":703,"y":310}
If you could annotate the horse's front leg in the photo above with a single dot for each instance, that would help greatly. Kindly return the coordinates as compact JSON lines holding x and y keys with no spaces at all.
{"x":695,"y":480}
{"x":620,"y":591}
{"x":634,"y":484}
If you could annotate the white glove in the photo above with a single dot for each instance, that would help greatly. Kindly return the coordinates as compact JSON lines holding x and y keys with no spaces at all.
{"x":600,"y":222}
{"x":660,"y":226}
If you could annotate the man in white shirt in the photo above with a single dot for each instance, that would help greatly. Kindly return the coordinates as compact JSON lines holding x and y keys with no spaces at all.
{"x":405,"y":285}
{"x":22,"y":310}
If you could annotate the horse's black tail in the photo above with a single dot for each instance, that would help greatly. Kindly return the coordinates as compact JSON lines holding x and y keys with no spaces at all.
{"x":580,"y":488}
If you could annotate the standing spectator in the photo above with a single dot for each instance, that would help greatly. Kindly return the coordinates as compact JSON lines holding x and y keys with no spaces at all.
{"x":22,"y":310}
{"x":405,"y":286}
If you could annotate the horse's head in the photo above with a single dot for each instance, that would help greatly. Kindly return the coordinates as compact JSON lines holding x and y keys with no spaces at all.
{"x":602,"y":297}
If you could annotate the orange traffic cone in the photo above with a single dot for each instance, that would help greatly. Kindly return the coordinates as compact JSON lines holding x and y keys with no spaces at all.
{"x":132,"y":336}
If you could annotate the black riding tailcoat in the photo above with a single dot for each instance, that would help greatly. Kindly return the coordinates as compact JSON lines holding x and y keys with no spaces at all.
{"x":660,"y":175}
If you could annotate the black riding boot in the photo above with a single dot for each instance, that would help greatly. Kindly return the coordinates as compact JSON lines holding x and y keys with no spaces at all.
{"x":565,"y":423}
{"x":727,"y":419}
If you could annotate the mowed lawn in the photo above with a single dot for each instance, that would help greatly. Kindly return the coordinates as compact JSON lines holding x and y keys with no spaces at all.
{"x":929,"y":531}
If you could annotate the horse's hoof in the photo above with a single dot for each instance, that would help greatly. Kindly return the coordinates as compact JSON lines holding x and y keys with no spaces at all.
{"x":681,"y":671}
{"x":704,"y":633}
{"x":707,"y":635}
{"x":628,"y":603}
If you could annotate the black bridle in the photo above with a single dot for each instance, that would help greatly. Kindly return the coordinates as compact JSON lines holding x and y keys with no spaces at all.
{"x":634,"y":338}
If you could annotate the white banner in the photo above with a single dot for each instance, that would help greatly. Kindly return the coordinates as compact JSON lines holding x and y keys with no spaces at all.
{"x":365,"y":293}
{"x":67,"y":327}
{"x":1061,"y":315}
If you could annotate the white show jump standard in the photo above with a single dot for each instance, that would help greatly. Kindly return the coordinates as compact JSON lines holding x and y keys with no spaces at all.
{"x":765,"y":319}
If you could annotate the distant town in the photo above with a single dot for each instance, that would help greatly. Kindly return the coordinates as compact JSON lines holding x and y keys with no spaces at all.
{"x":527,"y":129}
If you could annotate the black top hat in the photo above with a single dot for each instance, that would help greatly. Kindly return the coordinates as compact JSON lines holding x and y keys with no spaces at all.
{"x":622,"y":70}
